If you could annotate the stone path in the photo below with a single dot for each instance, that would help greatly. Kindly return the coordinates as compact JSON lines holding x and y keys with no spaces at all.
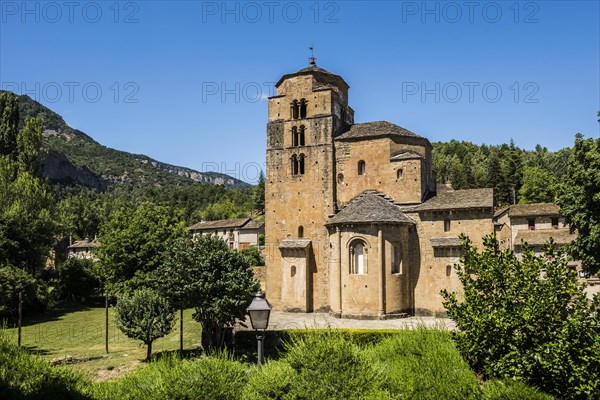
{"x":283,"y":320}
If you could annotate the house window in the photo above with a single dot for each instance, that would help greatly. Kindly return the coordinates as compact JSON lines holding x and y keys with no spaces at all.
{"x":531,"y":224}
{"x":399,"y":173}
{"x":300,"y":231}
{"x":301,"y":135}
{"x":358,"y":252}
{"x":555,"y":223}
{"x":446,"y":225}
{"x":361,"y":167}
{"x":294,"y":136}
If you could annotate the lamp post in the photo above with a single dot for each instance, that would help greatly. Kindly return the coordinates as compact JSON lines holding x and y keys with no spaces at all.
{"x":259,"y":311}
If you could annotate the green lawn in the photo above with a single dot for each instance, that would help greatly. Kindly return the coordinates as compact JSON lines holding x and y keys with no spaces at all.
{"x":79,"y":332}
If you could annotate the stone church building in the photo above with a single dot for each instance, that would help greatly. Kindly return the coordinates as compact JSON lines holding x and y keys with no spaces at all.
{"x":355,"y":224}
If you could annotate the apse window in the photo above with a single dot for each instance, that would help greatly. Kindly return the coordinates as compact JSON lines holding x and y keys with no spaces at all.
{"x":358,"y":258}
{"x":396,"y":256}
{"x":362,"y":168}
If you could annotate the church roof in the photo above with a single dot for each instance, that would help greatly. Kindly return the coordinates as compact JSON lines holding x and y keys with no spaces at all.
{"x":540,"y":237}
{"x":321,"y":75}
{"x":370,"y":207}
{"x":374,"y":130}
{"x":406,"y":155}
{"x":459,"y":199}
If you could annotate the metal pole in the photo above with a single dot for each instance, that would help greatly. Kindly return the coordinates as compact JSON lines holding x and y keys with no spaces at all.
{"x":259,"y":337}
{"x":106,"y":320}
{"x":20,"y":316}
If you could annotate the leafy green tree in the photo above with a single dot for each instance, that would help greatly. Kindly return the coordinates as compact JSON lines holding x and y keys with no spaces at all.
{"x":203,"y":273}
{"x":132,"y":241}
{"x":538,"y":186}
{"x":527,"y":319}
{"x":9,"y":124}
{"x":145,"y":315}
{"x":78,"y":280}
{"x":12,"y":281}
{"x":579,"y":201}
{"x":258,"y":195}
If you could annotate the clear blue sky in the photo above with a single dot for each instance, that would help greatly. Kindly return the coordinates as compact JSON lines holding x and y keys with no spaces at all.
{"x":435,"y":68}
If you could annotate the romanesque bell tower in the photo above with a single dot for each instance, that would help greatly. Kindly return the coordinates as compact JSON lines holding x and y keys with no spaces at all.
{"x":310,"y":108}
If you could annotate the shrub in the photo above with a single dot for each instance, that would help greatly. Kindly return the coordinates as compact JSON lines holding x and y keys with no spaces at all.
{"x":252,"y":256}
{"x":272,"y":382}
{"x":510,"y":389}
{"x":217,"y":377}
{"x":529,"y":319}
{"x":24,"y":376}
{"x":145,"y":315}
{"x":78,"y":280}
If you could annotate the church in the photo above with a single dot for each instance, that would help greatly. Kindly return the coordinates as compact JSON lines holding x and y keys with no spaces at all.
{"x":354,"y":222}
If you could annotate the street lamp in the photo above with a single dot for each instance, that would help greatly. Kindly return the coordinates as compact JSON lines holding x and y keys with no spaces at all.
{"x":259,"y":311}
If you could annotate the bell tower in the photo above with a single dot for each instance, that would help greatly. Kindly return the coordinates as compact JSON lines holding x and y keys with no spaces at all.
{"x":310,"y":108}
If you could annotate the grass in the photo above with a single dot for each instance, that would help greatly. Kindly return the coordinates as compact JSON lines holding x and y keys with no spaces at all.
{"x":78,"y":332}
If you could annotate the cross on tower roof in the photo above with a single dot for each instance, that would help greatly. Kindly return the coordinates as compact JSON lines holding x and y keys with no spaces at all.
{"x":312,"y":60}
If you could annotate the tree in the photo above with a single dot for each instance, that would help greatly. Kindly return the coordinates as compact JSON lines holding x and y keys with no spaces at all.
{"x":258,"y":195}
{"x":132,"y":242}
{"x":203,"y":273}
{"x":538,"y":186}
{"x":145,"y":315}
{"x":527,"y":319}
{"x":579,"y":201}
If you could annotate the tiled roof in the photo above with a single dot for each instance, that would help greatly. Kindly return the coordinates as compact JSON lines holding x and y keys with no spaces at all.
{"x":84,"y":244}
{"x":370,"y":207}
{"x":459,"y":199}
{"x":220,"y":224}
{"x":406,"y":155}
{"x":445,"y":241}
{"x":294,"y":243}
{"x":540,"y":237}
{"x":374,"y":130}
{"x":533,"y":210}
{"x":321,"y":75}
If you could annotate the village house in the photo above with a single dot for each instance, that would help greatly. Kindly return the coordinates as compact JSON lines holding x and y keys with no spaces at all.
{"x":239,"y":233}
{"x":355,"y":224}
{"x":83,"y":249}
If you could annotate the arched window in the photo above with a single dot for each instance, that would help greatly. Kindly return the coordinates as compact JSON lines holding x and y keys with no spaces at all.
{"x":300,"y":231}
{"x":294,"y":136}
{"x":303,"y":108}
{"x":294,"y":109}
{"x":448,"y":270}
{"x":362,"y":169}
{"x":301,"y":164}
{"x":446,"y":225}
{"x":294,"y":166}
{"x":340,"y":178}
{"x":302,"y":142}
{"x":358,"y":257}
{"x":396,"y":258}
{"x":293,"y":271}
{"x":399,"y":173}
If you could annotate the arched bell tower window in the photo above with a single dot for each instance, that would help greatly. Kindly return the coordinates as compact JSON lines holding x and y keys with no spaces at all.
{"x":301,"y":135}
{"x":301,"y":164}
{"x":294,"y":136}
{"x":294,"y":109}
{"x":358,"y":257}
{"x":294,"y":166}
{"x":303,"y":108}
{"x":362,"y":168}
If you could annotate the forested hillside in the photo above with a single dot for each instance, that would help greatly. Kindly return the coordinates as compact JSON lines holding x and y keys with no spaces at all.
{"x":517,"y":175}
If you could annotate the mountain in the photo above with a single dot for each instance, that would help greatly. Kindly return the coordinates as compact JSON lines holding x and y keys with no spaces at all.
{"x":75,"y":158}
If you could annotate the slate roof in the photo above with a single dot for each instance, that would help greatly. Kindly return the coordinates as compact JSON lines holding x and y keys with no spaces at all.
{"x":84,"y":244}
{"x":445,"y":241}
{"x":294,"y":243}
{"x":370,"y":207}
{"x":533,"y":210}
{"x":459,"y":199}
{"x":253,"y":225}
{"x":321,"y":75}
{"x":406,"y":155}
{"x":540,"y":237}
{"x":375,"y":130}
{"x":220,"y":224}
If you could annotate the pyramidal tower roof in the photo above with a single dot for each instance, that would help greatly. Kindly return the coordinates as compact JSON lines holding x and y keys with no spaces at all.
{"x":320,"y":75}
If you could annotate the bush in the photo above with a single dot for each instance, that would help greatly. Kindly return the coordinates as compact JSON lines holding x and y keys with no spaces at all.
{"x":273,"y":381}
{"x":23,"y":376}
{"x":78,"y":280}
{"x":527,"y":319}
{"x":217,"y":377}
{"x":509,"y":389}
{"x":14,"y":280}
